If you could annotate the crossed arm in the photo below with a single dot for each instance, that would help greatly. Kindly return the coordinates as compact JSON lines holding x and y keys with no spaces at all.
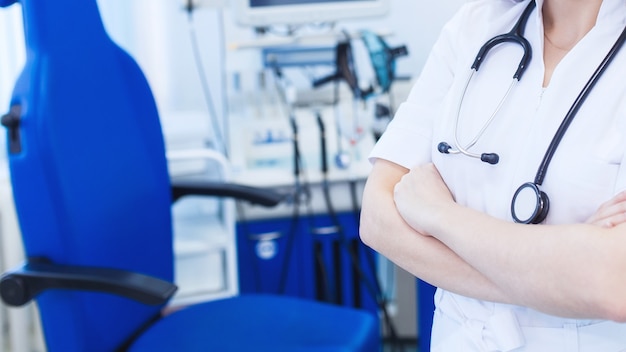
{"x":568,"y":270}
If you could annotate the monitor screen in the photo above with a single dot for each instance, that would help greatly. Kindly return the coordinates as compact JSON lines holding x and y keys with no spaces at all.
{"x":263,"y":13}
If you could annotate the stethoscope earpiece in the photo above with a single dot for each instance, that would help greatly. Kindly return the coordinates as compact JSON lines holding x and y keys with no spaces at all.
{"x":490,"y":158}
{"x":444,"y":148}
{"x":530,"y":205}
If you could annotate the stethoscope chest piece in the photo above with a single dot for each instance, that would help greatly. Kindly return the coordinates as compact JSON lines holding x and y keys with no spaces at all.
{"x":530,"y":205}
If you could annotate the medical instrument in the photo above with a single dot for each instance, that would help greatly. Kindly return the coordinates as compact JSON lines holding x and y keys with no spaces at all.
{"x":345,"y":70}
{"x":370,"y":282}
{"x":515,"y":35}
{"x":342,"y":156}
{"x":529,"y":205}
{"x":294,"y":13}
{"x":219,"y":135}
{"x":383,"y":58}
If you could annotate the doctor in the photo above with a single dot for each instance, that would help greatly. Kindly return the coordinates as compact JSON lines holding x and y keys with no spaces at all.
{"x":449,"y":218}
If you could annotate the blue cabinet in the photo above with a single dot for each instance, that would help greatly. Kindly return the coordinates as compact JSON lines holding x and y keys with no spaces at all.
{"x":271,"y":257}
{"x":313,"y":256}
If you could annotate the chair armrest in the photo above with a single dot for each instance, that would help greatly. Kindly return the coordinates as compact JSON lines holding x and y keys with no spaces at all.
{"x":20,"y":286}
{"x":223,"y":188}
{"x":254,"y":195}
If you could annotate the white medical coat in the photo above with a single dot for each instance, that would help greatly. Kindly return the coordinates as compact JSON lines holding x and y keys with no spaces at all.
{"x":586,"y":170}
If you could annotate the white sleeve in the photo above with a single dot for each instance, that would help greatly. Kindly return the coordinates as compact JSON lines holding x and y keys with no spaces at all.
{"x":407,"y":141}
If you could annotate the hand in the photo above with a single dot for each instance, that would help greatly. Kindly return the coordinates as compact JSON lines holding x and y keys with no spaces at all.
{"x":610,"y":213}
{"x":420,"y":196}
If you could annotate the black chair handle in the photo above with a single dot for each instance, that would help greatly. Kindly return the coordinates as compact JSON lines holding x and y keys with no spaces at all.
{"x":254,"y":195}
{"x":22,"y":285}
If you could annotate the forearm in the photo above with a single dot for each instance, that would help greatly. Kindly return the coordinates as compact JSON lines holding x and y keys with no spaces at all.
{"x":430,"y":260}
{"x":567,"y":270}
{"x":385,"y":231}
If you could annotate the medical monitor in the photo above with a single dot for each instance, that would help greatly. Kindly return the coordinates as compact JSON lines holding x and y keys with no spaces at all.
{"x":264,"y":13}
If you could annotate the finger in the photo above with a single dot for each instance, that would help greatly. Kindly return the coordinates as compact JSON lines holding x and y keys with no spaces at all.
{"x":617,"y":199}
{"x":607,"y":210}
{"x":617,"y":220}
{"x":613,"y":209}
{"x":610,"y":221}
{"x":604,"y":221}
{"x":620,"y":196}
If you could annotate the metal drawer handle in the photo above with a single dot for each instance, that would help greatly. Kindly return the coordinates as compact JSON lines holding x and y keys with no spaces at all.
{"x":267,"y":236}
{"x":326,"y":230}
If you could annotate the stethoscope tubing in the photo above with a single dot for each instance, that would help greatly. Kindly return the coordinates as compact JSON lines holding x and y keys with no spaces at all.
{"x":580,"y":99}
{"x":515,"y":35}
{"x":465,"y":149}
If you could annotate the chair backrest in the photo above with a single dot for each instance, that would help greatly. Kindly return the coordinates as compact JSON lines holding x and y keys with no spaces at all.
{"x":90,"y":181}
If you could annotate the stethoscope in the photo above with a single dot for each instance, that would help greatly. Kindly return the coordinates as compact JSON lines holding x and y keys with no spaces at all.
{"x":529,"y":205}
